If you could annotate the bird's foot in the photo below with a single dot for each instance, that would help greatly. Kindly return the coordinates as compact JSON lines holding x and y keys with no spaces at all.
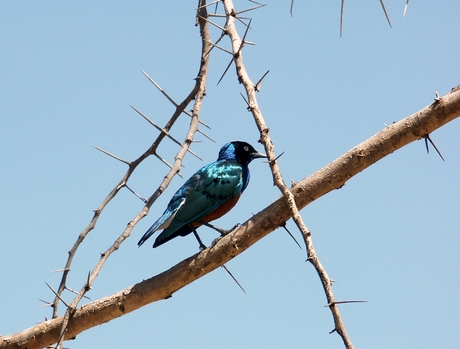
{"x":215,"y":241}
{"x":225,"y":232}
{"x":221,"y":231}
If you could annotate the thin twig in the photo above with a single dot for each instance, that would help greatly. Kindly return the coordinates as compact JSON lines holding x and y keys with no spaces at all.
{"x":204,"y":134}
{"x":220,"y":48}
{"x":167,"y":164}
{"x":196,"y":94}
{"x":259,"y":83}
{"x":160,"y":89}
{"x":223,"y":33}
{"x":213,"y":23}
{"x":47,"y":304}
{"x":405,"y":8}
{"x":162,"y":130}
{"x":250,"y":9}
{"x":169,"y":98}
{"x":242,"y":95}
{"x":75,"y":292}
{"x":235,"y":54}
{"x":345,"y":302}
{"x":233,"y":277}
{"x":292,"y":236}
{"x":113,"y":156}
{"x":386,"y":13}
{"x":57,"y":294}
{"x":136,"y":194}
{"x":342,"y":10}
{"x":206,"y":5}
{"x":243,"y":77}
{"x":427,"y":138}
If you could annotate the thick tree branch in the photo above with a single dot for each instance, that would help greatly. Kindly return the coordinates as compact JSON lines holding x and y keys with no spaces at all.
{"x":330,"y":177}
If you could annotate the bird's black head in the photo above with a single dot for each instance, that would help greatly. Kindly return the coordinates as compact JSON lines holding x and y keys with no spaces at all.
{"x":240,"y":151}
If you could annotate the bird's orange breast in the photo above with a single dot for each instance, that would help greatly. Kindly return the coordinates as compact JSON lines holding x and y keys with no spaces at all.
{"x":220,"y":211}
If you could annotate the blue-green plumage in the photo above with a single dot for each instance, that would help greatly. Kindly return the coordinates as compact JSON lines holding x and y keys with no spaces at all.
{"x":210,"y":193}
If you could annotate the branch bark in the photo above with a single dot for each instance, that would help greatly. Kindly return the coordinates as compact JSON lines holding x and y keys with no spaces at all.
{"x":197,"y":94}
{"x":330,"y":177}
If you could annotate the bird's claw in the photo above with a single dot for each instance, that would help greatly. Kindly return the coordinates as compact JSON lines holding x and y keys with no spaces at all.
{"x":215,"y":241}
{"x":221,"y":231}
{"x":224,"y":232}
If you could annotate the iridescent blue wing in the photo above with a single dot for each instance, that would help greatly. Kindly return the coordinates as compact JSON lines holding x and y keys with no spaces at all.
{"x":205,"y":192}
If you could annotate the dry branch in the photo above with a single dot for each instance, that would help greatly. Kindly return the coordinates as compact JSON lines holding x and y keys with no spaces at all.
{"x":197,"y":93}
{"x":251,"y":89}
{"x":330,"y":177}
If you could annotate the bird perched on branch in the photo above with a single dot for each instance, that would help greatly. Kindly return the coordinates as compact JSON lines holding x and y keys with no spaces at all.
{"x":209,"y":194}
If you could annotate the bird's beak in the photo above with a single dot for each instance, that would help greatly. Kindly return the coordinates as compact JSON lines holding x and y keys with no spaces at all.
{"x":258,"y":155}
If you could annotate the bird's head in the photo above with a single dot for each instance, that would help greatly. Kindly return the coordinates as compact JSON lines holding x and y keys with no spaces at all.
{"x":240,"y":151}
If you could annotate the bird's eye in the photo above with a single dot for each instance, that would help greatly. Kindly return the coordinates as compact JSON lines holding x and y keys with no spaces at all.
{"x":246,"y":148}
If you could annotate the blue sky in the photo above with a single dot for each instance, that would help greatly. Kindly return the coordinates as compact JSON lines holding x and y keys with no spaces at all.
{"x":68,"y":73}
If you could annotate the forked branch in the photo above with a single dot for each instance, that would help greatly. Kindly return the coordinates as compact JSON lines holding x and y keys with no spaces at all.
{"x":197,"y":94}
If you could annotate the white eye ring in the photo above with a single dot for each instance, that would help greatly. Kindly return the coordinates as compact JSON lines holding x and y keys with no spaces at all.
{"x":246,"y":148}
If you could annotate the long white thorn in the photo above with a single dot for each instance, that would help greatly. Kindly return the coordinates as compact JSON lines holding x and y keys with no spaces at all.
{"x":113,"y":156}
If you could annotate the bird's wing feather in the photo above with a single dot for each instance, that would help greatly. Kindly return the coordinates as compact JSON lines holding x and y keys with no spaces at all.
{"x":208,"y":189}
{"x":166,"y":218}
{"x":201,"y":194}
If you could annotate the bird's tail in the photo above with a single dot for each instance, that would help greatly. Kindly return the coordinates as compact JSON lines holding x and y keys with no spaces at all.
{"x":164,"y":221}
{"x":147,"y":234}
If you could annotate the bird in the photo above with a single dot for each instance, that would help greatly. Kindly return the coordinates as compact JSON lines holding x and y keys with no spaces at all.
{"x":209,"y":194}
